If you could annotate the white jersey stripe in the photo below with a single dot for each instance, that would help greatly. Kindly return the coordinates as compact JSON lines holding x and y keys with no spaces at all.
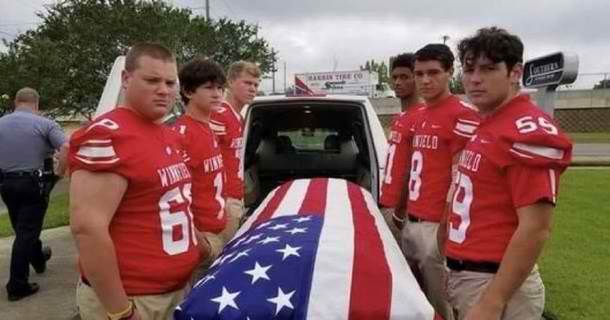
{"x":469,"y":106}
{"x":334,"y":253}
{"x":553,"y":183}
{"x":520,"y":154}
{"x":547,"y":152}
{"x":96,"y":152}
{"x":217,"y":128}
{"x":402,"y":300}
{"x":292,"y":202}
{"x":476,"y":123}
{"x":465,"y":128}
{"x":87,"y":161}
{"x":94,"y":141}
{"x":459,"y":133}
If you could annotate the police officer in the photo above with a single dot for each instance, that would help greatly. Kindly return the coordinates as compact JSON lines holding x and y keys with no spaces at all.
{"x":26,"y":139}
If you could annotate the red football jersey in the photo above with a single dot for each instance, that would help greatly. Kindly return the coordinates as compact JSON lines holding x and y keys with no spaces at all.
{"x":228,"y":126}
{"x":514,"y":160}
{"x":152,"y":228}
{"x":439,"y":133}
{"x":398,"y":156}
{"x":205,"y":162}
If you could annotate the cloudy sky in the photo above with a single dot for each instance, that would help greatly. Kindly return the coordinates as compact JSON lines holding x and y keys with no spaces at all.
{"x":328,"y":35}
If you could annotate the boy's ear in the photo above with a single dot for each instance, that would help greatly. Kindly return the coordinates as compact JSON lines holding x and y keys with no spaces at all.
{"x":516,"y":73}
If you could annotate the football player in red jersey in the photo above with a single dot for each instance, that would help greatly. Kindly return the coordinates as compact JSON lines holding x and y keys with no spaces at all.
{"x":243,"y":81}
{"x":508,"y":177}
{"x":130,"y":197}
{"x":393,"y":191}
{"x":440,"y":131}
{"x":201,"y":84}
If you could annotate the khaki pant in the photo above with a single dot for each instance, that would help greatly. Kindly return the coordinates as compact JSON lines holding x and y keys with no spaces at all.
{"x":235,"y":212}
{"x":149,"y":307}
{"x":420,"y":247}
{"x":387,"y":216}
{"x":216,"y":245}
{"x":465,"y":287}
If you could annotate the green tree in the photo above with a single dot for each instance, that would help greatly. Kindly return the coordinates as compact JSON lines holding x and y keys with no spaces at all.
{"x":455,"y":84}
{"x":68,"y":56}
{"x":380,"y":68}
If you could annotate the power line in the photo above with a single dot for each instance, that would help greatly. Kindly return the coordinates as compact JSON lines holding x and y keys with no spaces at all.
{"x":229,"y":7}
{"x":17,"y":24}
{"x":27,"y":5}
{"x":8,"y":34}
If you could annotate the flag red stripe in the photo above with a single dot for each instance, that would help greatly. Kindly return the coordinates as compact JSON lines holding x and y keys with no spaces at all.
{"x":273,"y":204}
{"x":314,"y":202}
{"x":371,"y":292}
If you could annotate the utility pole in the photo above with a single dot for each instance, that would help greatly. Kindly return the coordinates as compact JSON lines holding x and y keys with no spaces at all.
{"x":207,"y":10}
{"x":273,"y":70}
{"x":445,"y":38}
{"x":284,"y":77}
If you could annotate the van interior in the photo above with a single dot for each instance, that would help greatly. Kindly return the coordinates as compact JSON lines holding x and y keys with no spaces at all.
{"x":293,"y":140}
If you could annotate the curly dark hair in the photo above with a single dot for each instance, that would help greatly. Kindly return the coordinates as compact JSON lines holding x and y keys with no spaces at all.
{"x":494,"y":43}
{"x":197,"y":72}
{"x":438,"y":52}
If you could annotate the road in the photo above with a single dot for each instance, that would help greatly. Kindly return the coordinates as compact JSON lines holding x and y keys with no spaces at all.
{"x":56,"y":298}
{"x":592,"y":149}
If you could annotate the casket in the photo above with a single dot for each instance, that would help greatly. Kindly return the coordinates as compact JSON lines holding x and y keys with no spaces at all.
{"x":314,"y":249}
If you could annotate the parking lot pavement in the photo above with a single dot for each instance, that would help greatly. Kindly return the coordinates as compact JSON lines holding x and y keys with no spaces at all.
{"x":56,"y":298}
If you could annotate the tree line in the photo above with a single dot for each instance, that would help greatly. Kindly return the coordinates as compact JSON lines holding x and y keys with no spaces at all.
{"x":68,"y":56}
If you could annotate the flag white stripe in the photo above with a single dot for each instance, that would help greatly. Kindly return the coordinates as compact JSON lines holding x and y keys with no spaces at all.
{"x":465,"y":128}
{"x":336,"y":253}
{"x":255,"y":214}
{"x":547,"y":152}
{"x":402,"y":300}
{"x":292,"y":201}
{"x":87,"y":161}
{"x":96,"y":152}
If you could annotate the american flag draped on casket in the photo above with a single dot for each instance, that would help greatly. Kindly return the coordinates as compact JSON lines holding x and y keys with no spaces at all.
{"x":314,"y":249}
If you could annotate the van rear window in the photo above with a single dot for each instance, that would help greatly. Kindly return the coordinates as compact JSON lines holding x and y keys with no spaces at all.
{"x":310,"y":139}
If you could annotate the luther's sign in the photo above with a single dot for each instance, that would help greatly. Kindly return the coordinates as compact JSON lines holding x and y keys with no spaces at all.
{"x":550,"y":70}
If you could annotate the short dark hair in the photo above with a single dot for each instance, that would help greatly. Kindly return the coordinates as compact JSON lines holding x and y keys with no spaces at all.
{"x":438,"y":52}
{"x":494,"y":43}
{"x":150,"y":49}
{"x":406,"y":60}
{"x":197,"y":72}
{"x":26,"y":95}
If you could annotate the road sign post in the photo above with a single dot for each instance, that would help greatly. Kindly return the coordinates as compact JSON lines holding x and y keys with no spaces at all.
{"x":546,"y":73}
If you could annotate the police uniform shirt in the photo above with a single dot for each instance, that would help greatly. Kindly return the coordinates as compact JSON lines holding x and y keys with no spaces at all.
{"x":26,"y":139}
